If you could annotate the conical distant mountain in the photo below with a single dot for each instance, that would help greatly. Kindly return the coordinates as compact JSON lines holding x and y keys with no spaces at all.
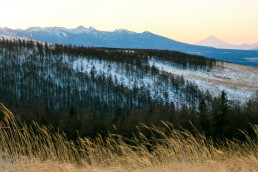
{"x":212,"y":41}
{"x":123,"y":38}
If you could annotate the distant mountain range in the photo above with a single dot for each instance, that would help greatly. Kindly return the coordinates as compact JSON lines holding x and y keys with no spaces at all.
{"x":123,"y":38}
{"x":120,"y":38}
{"x":217,"y":43}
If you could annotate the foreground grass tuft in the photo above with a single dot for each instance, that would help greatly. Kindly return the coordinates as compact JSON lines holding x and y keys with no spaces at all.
{"x":40,"y":148}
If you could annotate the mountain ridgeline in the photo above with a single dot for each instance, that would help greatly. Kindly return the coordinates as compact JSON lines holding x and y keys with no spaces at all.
{"x":125,"y":39}
{"x":89,"y":90}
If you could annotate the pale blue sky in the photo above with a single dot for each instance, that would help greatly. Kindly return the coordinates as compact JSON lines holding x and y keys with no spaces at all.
{"x":234,"y":21}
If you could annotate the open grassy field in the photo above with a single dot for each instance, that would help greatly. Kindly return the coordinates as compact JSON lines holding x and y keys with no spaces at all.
{"x":40,"y":148}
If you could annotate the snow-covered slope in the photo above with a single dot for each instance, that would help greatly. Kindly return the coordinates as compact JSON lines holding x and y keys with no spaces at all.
{"x":157,"y":89}
{"x":240,"y":82}
{"x":66,"y":76}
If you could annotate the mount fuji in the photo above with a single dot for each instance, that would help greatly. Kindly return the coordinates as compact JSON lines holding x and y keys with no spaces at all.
{"x":217,"y":43}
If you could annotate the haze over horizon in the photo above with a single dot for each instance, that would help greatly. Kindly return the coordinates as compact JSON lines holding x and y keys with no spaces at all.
{"x":233,"y":21}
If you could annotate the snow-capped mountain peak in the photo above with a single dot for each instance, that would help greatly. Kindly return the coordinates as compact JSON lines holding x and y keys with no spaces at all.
{"x":123,"y":31}
{"x":82,"y":29}
{"x":213,"y":41}
{"x":34,"y":29}
{"x":213,"y":38}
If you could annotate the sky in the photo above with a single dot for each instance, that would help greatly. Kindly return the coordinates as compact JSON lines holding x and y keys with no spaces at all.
{"x":234,"y":21}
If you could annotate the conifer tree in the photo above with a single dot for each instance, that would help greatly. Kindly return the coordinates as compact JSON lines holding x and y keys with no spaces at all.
{"x":203,"y":117}
{"x":221,"y":115}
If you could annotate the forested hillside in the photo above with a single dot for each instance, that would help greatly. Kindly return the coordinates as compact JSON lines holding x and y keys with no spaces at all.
{"x":89,"y":90}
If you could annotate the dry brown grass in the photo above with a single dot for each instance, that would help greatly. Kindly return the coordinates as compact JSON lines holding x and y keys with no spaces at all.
{"x":39,"y":148}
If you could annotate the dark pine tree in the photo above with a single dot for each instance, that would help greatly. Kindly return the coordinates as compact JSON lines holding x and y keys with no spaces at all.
{"x":221,"y":115}
{"x":203,"y":117}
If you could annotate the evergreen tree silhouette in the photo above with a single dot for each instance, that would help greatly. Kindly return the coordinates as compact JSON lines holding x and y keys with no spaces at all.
{"x":220,"y":115}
